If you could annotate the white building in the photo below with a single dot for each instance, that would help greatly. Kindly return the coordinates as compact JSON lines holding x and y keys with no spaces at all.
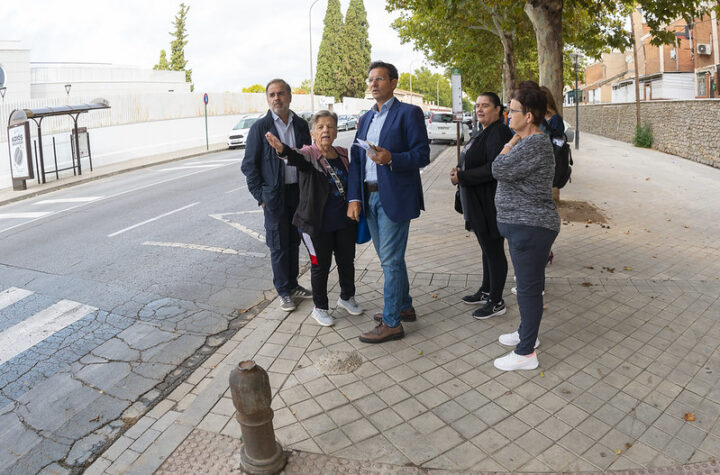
{"x":24,"y":79}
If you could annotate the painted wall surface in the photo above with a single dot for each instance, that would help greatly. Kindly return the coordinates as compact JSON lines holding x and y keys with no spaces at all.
{"x":687,"y":129}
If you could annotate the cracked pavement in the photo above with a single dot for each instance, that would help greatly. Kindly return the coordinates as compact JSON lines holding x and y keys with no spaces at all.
{"x":160,"y":311}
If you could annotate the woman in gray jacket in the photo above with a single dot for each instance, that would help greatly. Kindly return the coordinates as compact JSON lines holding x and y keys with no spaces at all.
{"x":527,"y":217}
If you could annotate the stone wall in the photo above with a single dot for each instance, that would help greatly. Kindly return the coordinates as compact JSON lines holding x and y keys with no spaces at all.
{"x":688,"y":129}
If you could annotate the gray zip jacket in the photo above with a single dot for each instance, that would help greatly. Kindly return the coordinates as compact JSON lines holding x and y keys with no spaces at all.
{"x":524,"y":190}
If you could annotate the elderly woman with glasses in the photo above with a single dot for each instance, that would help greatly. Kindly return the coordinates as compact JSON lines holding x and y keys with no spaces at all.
{"x":527,"y":217}
{"x":322,"y":212}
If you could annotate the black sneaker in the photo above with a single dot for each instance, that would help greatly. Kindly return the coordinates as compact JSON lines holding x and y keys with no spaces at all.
{"x":478,"y":298}
{"x":489,"y":310}
{"x":300,"y":292}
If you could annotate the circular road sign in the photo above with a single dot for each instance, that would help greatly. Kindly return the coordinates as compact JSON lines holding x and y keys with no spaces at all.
{"x":205,"y":98}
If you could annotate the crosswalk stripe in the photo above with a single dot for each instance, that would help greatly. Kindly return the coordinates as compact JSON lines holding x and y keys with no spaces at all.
{"x":12,"y":295}
{"x":81,"y":199}
{"x":38,"y":214}
{"x":40,"y":326}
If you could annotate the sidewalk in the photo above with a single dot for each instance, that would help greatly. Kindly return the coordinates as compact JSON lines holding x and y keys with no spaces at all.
{"x":8,"y":195}
{"x":629,"y":345}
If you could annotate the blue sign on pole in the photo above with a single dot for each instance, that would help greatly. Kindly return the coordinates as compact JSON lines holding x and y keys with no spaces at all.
{"x":205,"y":98}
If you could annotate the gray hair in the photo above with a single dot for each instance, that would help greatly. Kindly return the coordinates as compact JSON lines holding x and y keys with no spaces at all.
{"x":323,"y":113}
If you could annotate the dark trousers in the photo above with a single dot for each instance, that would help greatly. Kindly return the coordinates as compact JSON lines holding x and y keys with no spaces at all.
{"x":529,"y":248}
{"x":494,"y":265}
{"x":342,"y":244}
{"x":283,"y":240}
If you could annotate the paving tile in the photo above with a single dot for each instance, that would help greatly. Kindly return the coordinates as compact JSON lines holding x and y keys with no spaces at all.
{"x":319,"y":386}
{"x":291,"y":434}
{"x":463,"y":457}
{"x":427,"y":423}
{"x":554,"y":428}
{"x":386,"y":419}
{"x":331,"y":400}
{"x":393,"y":395}
{"x":344,"y":415}
{"x":409,"y":409}
{"x":318,"y":425}
{"x":511,"y":456}
{"x":306,"y":409}
{"x":359,"y":430}
{"x":332,"y":441}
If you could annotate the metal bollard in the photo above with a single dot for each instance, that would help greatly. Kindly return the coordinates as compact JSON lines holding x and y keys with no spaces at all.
{"x":250,"y":387}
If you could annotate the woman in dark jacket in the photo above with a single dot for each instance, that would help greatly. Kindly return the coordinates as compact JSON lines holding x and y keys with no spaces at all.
{"x":477,"y":193}
{"x":322,"y":212}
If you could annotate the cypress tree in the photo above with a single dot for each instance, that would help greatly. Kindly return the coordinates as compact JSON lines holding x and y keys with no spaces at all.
{"x":330,"y":72}
{"x":355,"y":49}
{"x":177,"y":45}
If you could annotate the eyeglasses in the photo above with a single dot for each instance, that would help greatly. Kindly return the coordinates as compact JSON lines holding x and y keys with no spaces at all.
{"x":512,"y":111}
{"x":369,"y":81}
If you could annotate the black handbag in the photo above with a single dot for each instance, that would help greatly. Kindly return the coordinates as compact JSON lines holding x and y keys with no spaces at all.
{"x":458,"y":201}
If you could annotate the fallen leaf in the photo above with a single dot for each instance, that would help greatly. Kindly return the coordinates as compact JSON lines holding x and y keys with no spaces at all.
{"x":94,"y":419}
{"x":507,"y":393}
{"x":545,"y":307}
{"x":609,"y":269}
{"x":542,"y":374}
{"x":628,"y":268}
{"x":589,"y":267}
{"x":294,"y":412}
{"x":668,"y":219}
{"x":687,"y":227}
{"x":647,"y":179}
{"x":628,"y":445}
{"x":618,"y":451}
{"x":586,"y":284}
{"x":101,"y":391}
{"x":627,"y":232}
{"x":433,"y":296}
{"x":689,"y":416}
{"x":589,"y":221}
{"x":420,"y":352}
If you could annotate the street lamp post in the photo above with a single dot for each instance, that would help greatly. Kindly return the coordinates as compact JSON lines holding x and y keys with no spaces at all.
{"x":437,"y":92}
{"x":576,"y":63}
{"x":312,"y":78}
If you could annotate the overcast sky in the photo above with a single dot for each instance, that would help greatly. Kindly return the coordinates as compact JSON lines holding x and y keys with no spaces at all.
{"x":232,"y":43}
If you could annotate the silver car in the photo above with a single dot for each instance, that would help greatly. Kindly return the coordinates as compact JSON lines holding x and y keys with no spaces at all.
{"x":440,"y":126}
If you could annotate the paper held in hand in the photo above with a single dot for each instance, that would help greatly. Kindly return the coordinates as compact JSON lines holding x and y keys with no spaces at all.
{"x":366,"y":145}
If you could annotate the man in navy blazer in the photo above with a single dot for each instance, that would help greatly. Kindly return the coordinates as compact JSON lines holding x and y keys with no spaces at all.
{"x":275,"y":187}
{"x":384,"y":182}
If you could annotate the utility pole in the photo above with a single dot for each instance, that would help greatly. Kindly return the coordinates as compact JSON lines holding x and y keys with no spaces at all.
{"x":637,"y":70}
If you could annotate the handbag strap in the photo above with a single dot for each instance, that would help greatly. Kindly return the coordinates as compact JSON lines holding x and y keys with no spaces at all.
{"x":335,"y":177}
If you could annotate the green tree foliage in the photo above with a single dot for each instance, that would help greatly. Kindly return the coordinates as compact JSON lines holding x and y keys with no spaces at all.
{"x":254,"y":88}
{"x":354,"y":50}
{"x":429,"y":84}
{"x":162,"y":64}
{"x":303,"y":88}
{"x":177,"y":45}
{"x":330,"y":71}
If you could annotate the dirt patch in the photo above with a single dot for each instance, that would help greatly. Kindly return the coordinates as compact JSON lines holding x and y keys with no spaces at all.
{"x":338,"y":362}
{"x":581,"y":212}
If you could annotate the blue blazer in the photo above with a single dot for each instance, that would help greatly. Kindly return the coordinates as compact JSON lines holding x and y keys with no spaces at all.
{"x":403,"y":134}
{"x":265,"y":173}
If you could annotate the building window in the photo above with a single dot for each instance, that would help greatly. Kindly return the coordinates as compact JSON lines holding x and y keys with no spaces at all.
{"x":2,"y":76}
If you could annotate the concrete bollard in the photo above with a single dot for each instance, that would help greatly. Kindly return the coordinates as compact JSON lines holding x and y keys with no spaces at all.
{"x":250,"y":387}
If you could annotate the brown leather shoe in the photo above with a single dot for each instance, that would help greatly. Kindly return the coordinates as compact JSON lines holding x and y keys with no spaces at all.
{"x":382,"y":333}
{"x":405,"y":316}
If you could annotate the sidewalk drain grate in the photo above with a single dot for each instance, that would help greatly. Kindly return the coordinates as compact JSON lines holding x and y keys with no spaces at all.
{"x":338,"y":362}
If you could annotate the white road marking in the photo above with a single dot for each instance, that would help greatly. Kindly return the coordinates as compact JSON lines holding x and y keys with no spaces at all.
{"x":191,"y":167}
{"x":115,"y":195}
{"x":152,"y":219}
{"x":82,"y":199}
{"x":200,"y":247}
{"x":240,"y":227}
{"x":236,"y":189}
{"x":12,"y":295}
{"x":218,"y":160}
{"x":36,"y":215}
{"x":40,"y":326}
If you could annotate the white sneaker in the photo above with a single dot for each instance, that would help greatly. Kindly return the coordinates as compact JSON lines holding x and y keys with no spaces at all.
{"x":513,"y":361}
{"x":323,"y":317}
{"x":514,"y":291}
{"x":351,"y":305}
{"x":513,"y":339}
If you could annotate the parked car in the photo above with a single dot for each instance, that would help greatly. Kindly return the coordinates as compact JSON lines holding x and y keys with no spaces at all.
{"x":440,"y":126}
{"x":238,"y":135}
{"x":346,"y":122}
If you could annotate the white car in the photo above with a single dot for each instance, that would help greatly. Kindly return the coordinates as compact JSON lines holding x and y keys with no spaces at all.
{"x":238,"y":135}
{"x":440,"y":126}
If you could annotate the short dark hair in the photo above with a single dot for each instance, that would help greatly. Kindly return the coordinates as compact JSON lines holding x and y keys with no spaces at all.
{"x":320,"y":114}
{"x":529,"y":84}
{"x":279,"y":81}
{"x":534,"y":101}
{"x":552,"y":107}
{"x":391,"y":69}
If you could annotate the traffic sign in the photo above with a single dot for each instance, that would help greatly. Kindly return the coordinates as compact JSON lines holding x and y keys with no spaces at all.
{"x":205,"y":98}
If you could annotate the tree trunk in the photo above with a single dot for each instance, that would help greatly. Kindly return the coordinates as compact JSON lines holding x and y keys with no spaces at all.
{"x":509,"y":72}
{"x":546,"y":18}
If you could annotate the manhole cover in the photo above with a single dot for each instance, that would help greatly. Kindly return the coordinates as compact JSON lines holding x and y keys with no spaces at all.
{"x":338,"y":362}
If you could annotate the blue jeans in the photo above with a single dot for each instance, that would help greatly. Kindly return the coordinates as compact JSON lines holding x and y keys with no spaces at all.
{"x":390,"y":241}
{"x":529,"y":250}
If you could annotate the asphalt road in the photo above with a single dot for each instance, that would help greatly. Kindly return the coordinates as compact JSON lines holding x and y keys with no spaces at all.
{"x":113,"y":291}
